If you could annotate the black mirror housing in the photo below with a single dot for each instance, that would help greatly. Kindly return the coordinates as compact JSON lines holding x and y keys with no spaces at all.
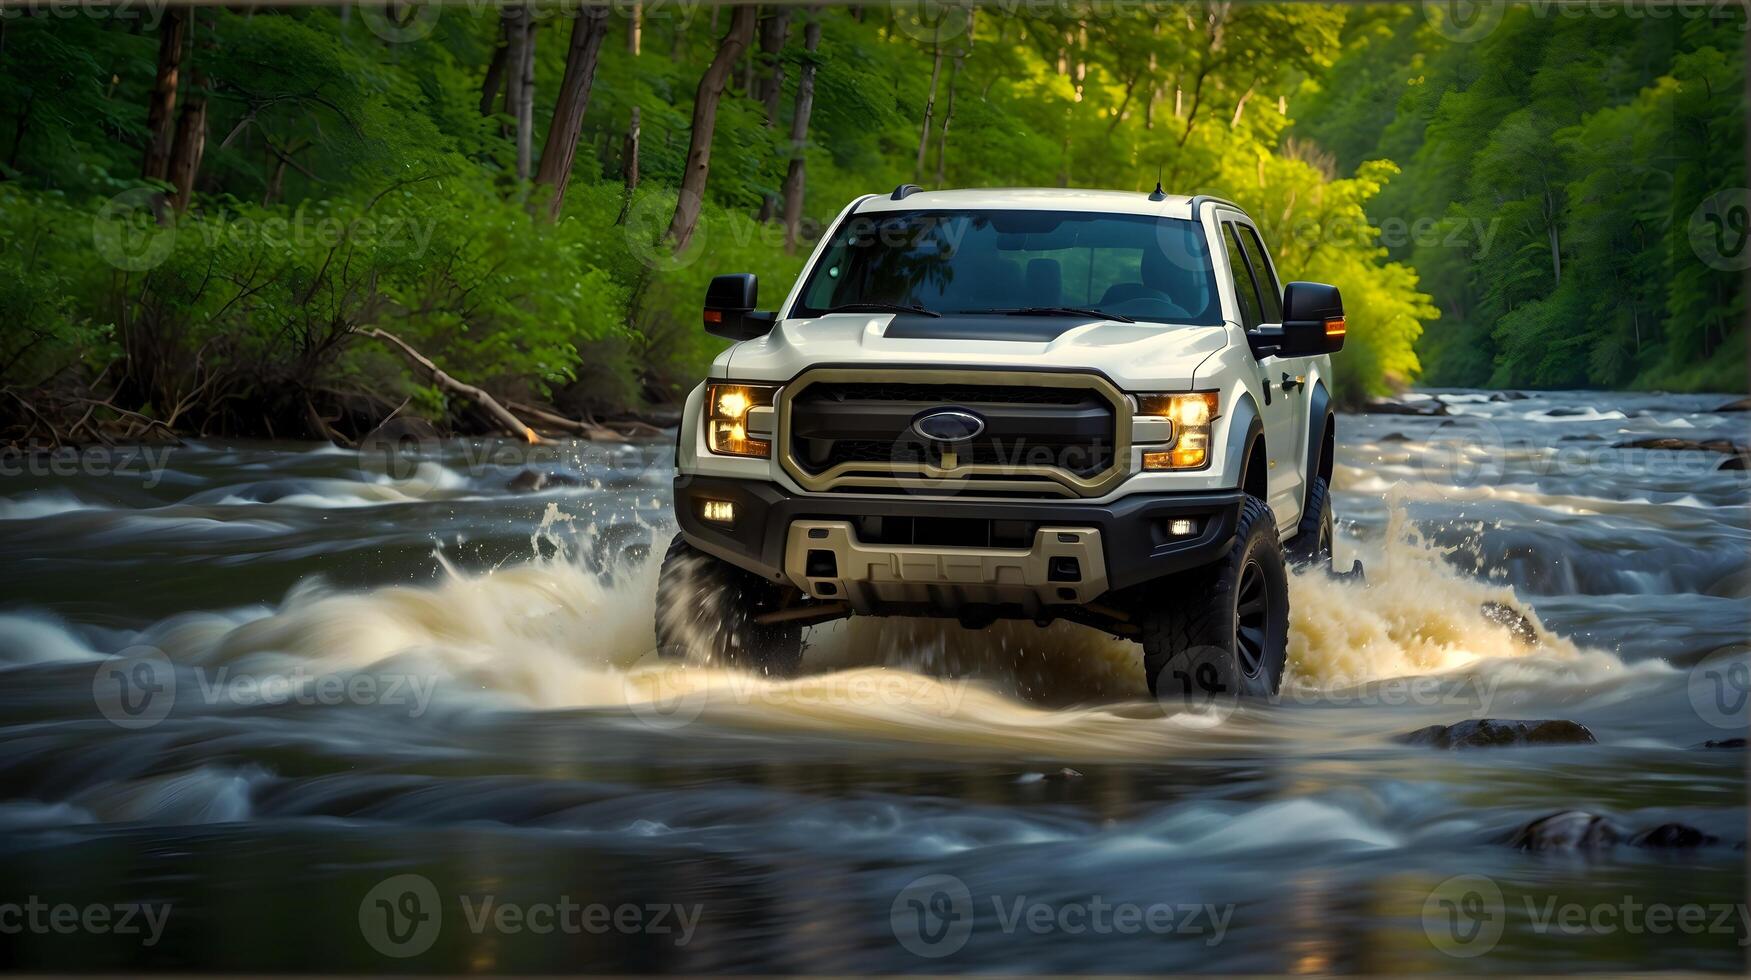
{"x":1313,"y":320}
{"x":729,"y":308}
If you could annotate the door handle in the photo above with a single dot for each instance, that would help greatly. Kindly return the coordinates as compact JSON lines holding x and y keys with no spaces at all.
{"x":1290,"y":383}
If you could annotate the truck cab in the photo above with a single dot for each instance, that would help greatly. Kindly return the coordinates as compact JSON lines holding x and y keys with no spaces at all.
{"x":1041,"y":404}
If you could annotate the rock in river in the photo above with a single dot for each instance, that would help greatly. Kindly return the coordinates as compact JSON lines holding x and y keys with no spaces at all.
{"x":1576,"y":830}
{"x":1478,"y":733}
{"x":1568,"y":830}
{"x":533,"y":481}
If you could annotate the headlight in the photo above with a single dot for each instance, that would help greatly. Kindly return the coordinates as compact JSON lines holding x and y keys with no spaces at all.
{"x":1192,"y":414}
{"x":726,"y":419}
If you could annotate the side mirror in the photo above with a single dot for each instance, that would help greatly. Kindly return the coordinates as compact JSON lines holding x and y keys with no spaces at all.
{"x":1313,"y":320}
{"x":729,"y":308}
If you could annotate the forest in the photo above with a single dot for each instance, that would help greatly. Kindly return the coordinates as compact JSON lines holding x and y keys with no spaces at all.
{"x":299,"y":222}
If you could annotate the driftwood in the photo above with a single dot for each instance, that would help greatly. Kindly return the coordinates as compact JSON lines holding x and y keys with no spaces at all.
{"x":500,"y":414}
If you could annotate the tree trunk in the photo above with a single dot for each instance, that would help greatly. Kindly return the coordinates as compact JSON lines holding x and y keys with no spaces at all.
{"x":635,"y":29}
{"x":191,"y":128}
{"x":520,"y":83}
{"x":711,"y":86}
{"x":799,"y":133}
{"x":588,"y":31}
{"x":774,"y":30}
{"x":629,"y":169}
{"x":161,"y":113}
{"x":495,"y":80}
{"x":929,"y":103}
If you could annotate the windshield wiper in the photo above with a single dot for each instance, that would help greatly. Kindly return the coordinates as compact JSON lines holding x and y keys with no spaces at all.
{"x":880,"y":308}
{"x":1056,"y":311}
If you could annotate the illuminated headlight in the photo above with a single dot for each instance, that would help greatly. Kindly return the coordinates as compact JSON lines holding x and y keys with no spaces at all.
{"x":718,"y":511}
{"x":726,"y":419}
{"x":1192,"y":413}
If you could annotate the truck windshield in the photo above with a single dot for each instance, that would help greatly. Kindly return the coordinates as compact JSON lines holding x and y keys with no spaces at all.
{"x":1047,"y":263}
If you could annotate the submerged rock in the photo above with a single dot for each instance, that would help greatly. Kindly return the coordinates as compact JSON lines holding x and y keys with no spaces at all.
{"x":1395,"y":437}
{"x":1685,"y":445}
{"x":1742,"y":405}
{"x":1568,"y":830}
{"x":1734,"y":462}
{"x":1428,"y":409}
{"x":1723,"y":743}
{"x":1674,"y":835}
{"x":1515,"y":621}
{"x":533,"y":481}
{"x":1480,"y":733}
{"x":1577,"y":830}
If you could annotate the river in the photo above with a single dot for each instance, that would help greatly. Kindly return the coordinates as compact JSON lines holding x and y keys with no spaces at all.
{"x":326,"y":710}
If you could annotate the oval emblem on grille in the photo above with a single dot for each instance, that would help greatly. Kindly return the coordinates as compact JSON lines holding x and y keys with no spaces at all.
{"x":948,"y":425}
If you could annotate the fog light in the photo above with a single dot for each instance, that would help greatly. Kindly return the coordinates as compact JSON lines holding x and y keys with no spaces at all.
{"x":1182,"y":526}
{"x":718,"y":511}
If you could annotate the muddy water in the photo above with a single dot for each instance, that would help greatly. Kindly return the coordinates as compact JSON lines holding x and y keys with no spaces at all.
{"x":326,"y":712}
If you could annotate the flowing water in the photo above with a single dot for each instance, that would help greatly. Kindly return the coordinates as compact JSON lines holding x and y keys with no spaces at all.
{"x":324,"y":712}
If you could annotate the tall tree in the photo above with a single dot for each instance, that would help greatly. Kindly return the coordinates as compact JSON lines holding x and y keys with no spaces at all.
{"x":691,"y":197}
{"x":799,"y":132}
{"x":161,"y":113}
{"x":774,"y":30}
{"x":519,"y":24}
{"x":190,"y":143}
{"x":589,"y":28}
{"x":930,"y":97}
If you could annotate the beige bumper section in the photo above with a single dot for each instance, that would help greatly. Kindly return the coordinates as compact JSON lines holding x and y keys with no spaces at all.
{"x":827,"y":561}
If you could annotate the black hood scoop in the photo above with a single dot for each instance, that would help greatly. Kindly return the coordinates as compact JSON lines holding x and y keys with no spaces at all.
{"x":980,"y":326}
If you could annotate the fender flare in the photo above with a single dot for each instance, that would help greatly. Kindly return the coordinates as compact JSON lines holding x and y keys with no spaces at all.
{"x":1244,"y":430}
{"x":1319,"y":412}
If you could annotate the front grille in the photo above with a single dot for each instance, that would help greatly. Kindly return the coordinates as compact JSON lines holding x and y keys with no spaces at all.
{"x":1044,"y":434}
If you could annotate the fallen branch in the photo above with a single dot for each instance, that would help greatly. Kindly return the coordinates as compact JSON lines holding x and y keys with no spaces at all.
{"x":510,"y":423}
{"x":595,"y":433}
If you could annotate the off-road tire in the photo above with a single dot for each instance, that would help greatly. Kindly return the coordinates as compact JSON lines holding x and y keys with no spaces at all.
{"x":1311,"y":544}
{"x":1192,"y":623}
{"x":706,"y":609}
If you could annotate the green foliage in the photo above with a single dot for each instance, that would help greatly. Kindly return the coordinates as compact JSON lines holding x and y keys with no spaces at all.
{"x":351,"y":182}
{"x":40,"y":249}
{"x":1564,"y":157}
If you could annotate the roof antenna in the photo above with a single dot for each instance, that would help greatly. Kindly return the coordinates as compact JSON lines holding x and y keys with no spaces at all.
{"x":1159,"y":195}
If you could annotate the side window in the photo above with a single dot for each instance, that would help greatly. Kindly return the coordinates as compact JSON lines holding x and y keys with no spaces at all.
{"x":1245,"y":292}
{"x":1270,"y":291}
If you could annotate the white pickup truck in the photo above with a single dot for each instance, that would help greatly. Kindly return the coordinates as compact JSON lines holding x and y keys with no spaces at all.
{"x":1046,"y":404}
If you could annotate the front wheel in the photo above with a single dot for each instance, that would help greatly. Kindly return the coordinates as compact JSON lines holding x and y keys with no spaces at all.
{"x":1222,"y":630}
{"x":708,"y":609}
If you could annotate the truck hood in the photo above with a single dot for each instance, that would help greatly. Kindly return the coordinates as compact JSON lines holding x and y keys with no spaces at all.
{"x":1135,"y":356}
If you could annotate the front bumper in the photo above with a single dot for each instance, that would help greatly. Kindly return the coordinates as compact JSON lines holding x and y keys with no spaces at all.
{"x":1134,"y":541}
